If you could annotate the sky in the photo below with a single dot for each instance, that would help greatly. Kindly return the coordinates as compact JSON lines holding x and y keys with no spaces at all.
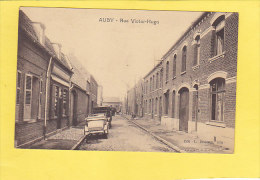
{"x":119,"y":52}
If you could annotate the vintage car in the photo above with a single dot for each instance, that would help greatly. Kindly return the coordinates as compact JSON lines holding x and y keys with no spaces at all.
{"x":98,"y":122}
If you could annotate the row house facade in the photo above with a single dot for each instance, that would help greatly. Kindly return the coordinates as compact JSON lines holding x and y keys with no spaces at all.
{"x":193,"y":88}
{"x":80,"y":92}
{"x":114,"y":102}
{"x":44,"y":85}
{"x":93,"y":93}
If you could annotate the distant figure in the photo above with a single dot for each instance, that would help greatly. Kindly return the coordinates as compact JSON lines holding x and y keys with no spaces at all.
{"x":133,"y":115}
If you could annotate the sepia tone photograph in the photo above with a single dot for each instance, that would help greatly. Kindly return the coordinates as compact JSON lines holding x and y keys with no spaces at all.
{"x":126,"y":80}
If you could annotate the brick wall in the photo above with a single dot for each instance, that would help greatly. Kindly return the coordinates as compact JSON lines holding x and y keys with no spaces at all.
{"x":199,"y":74}
{"x":82,"y":105}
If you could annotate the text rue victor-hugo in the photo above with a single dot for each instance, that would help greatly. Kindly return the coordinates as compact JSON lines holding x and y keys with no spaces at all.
{"x":125,"y":21}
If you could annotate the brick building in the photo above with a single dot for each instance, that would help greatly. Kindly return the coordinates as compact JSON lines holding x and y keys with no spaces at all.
{"x":80,"y":92}
{"x":193,"y":88}
{"x":131,"y":106}
{"x":113,"y":102}
{"x":93,"y":93}
{"x":38,"y":58}
{"x":53,"y":92}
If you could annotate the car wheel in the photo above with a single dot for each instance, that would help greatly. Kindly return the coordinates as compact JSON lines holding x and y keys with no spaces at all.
{"x":105,"y":136}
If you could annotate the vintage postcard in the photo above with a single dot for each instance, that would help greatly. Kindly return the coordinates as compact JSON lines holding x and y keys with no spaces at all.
{"x":126,"y":80}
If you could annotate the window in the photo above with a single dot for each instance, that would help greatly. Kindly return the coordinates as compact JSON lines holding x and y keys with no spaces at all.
{"x":18,"y":88}
{"x":217,"y":92}
{"x":167,"y":71}
{"x":147,"y":86}
{"x":196,"y":50}
{"x":218,"y":35}
{"x":153,"y":83}
{"x":149,"y":106}
{"x":56,"y":100}
{"x":150,"y":84}
{"x":174,"y":66}
{"x":161,"y":77}
{"x":65,"y":104}
{"x":184,"y":56}
{"x":28,"y":89}
{"x":157,"y":80}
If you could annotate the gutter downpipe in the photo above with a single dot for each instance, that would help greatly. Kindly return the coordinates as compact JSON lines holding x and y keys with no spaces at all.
{"x":46,"y":99}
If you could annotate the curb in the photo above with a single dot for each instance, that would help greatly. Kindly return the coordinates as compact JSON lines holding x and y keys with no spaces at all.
{"x":79,"y":142}
{"x":172,"y":146}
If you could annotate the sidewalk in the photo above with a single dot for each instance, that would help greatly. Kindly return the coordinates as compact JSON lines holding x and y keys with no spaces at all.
{"x":185,"y":142}
{"x":64,"y":140}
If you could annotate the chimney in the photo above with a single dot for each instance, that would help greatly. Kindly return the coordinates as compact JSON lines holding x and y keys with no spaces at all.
{"x":57,"y":49}
{"x":40,"y":31}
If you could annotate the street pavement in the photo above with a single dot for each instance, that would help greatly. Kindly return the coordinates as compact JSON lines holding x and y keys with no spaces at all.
{"x":125,"y":136}
{"x":63,"y":140}
{"x":185,"y":142}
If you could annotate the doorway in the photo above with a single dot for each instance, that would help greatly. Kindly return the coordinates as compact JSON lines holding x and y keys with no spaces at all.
{"x":184,"y":109}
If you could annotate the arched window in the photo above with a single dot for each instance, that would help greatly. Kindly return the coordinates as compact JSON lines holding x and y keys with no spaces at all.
{"x":174,"y":66}
{"x":196,"y":50}
{"x":157,"y":79}
{"x":218,"y":35}
{"x":161,"y":77}
{"x":217,"y":95}
{"x":147,"y":86}
{"x":167,"y":71}
{"x":150,"y":84}
{"x":153,"y":83}
{"x":184,"y":56}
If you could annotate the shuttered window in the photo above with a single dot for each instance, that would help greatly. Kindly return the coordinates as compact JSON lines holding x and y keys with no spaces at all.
{"x":28,"y":89}
{"x":18,"y":88}
{"x":56,"y":100}
{"x":65,"y":102}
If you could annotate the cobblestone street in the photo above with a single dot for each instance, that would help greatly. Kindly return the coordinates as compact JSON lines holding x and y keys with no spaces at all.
{"x":125,"y":136}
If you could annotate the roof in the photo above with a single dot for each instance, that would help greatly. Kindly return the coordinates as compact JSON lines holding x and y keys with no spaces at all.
{"x":81,"y":75}
{"x":25,"y":24}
